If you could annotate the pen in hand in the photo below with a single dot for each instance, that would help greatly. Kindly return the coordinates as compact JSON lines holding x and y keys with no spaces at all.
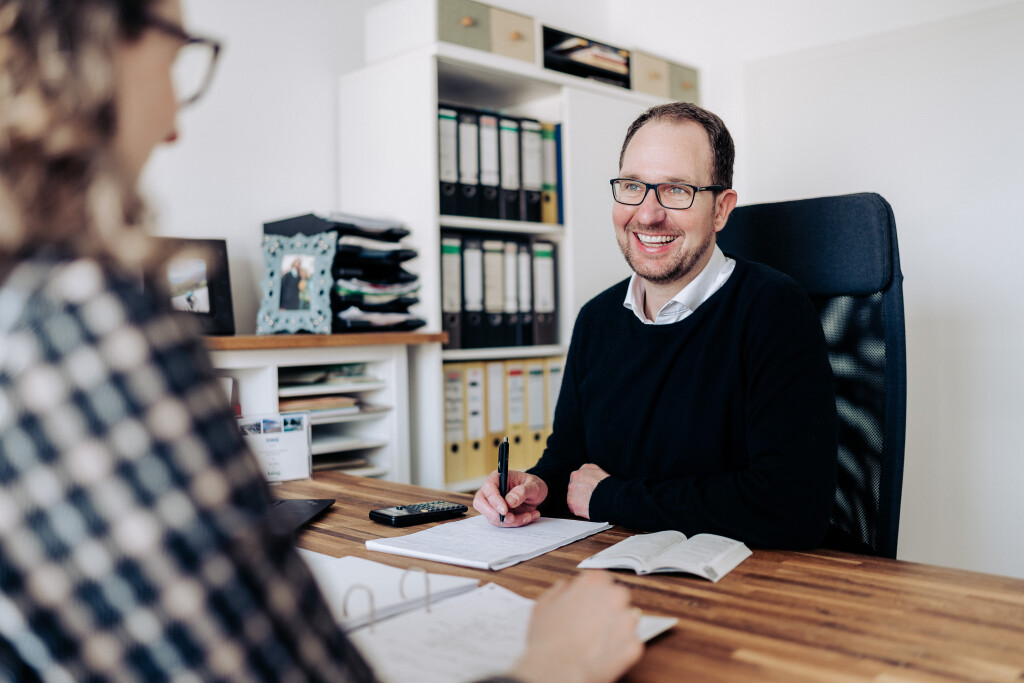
{"x":503,"y":473}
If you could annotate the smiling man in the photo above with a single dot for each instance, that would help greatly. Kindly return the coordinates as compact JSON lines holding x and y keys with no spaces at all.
{"x":697,"y":394}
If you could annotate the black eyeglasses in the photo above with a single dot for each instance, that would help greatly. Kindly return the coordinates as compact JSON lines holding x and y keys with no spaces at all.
{"x":194,"y":63}
{"x":670,"y":195}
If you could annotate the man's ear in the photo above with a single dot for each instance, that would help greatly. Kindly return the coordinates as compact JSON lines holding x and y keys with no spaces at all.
{"x":724,"y":205}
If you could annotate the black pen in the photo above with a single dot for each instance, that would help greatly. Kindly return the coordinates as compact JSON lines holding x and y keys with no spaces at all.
{"x":503,"y":473}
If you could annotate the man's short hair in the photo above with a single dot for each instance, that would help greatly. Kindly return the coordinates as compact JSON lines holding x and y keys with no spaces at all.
{"x":723,"y":152}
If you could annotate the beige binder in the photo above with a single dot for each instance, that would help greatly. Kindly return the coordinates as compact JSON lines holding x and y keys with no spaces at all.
{"x":475,"y":445}
{"x":454,"y":423}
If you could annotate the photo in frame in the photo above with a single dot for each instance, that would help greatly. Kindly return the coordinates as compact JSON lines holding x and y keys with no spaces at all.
{"x":197,"y":279}
{"x":297,"y":283}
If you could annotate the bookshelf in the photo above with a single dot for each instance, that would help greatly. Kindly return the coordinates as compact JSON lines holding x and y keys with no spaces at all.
{"x":373,"y":441}
{"x":388,"y":143}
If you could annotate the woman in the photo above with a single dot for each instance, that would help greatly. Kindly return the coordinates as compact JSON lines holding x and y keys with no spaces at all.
{"x":131,"y":540}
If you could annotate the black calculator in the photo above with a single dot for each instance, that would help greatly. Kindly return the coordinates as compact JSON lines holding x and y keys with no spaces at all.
{"x":417,"y":513}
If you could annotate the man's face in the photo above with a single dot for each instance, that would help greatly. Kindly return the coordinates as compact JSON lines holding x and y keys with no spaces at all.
{"x":669,"y":246}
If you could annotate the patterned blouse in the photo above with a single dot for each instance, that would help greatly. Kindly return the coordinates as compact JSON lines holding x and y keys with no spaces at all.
{"x":133,"y":542}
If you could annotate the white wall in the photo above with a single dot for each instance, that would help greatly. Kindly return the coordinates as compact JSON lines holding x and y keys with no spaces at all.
{"x":262,"y":144}
{"x":930,"y":117}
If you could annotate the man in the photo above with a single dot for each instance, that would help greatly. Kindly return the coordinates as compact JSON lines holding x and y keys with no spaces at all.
{"x":697,"y":394}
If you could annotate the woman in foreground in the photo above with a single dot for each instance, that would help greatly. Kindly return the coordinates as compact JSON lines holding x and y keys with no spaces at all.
{"x":131,"y":537}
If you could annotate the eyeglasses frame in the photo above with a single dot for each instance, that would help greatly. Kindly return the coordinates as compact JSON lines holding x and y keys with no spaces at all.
{"x":176,"y":31}
{"x":657,"y":193}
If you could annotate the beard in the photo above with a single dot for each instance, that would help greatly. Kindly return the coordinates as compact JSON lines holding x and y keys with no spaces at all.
{"x":665,"y":273}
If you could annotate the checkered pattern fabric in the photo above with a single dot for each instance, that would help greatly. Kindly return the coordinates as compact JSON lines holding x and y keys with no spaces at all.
{"x":132,"y":536}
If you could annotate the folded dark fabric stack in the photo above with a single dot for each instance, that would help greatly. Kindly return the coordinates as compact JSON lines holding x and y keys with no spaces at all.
{"x":372,"y":290}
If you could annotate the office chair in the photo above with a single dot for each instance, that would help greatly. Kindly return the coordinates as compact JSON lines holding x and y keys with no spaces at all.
{"x":843,"y":251}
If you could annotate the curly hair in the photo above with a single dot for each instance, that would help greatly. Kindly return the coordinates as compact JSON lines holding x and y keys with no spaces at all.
{"x":61,"y":187}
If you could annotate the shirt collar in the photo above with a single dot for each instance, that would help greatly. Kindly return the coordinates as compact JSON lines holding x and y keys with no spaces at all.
{"x":686,"y":300}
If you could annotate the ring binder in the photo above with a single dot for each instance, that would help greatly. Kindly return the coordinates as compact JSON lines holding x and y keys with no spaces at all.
{"x":388,"y":592}
{"x":426,"y":585}
{"x":369,"y":596}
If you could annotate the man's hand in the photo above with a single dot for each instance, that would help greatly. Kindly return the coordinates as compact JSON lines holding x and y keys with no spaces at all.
{"x":525,"y":493}
{"x":582,"y":483}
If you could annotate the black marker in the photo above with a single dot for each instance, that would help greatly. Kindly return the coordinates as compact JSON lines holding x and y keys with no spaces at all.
{"x":503,"y":473}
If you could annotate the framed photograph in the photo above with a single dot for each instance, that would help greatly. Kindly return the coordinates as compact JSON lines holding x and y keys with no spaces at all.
{"x":196,"y":276}
{"x":297,"y":283}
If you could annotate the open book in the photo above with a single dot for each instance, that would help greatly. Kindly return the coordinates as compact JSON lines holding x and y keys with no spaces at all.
{"x":474,"y":542}
{"x":465,"y":638}
{"x":705,"y":555}
{"x":359,"y":591}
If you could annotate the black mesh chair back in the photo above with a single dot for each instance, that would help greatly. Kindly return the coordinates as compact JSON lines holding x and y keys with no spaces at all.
{"x":843,"y":251}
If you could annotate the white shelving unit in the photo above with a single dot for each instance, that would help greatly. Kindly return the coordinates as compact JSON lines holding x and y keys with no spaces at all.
{"x":379,"y":435}
{"x":388,"y":166}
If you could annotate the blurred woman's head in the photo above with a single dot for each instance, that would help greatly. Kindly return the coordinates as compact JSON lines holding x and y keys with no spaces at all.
{"x":85,"y":96}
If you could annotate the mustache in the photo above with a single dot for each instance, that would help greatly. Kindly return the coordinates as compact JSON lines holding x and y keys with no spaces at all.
{"x":654,"y":228}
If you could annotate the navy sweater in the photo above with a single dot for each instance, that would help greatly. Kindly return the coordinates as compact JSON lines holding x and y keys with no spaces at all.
{"x":723,"y":422}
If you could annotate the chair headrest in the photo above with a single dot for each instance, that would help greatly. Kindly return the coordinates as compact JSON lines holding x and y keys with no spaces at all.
{"x":830,"y":245}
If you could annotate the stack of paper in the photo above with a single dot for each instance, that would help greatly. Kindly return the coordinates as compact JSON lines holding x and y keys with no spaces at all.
{"x":474,"y":542}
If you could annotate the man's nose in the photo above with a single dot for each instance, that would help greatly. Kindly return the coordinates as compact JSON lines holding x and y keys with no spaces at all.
{"x":650,"y":210}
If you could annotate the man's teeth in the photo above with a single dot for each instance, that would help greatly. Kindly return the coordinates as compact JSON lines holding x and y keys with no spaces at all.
{"x":655,"y":239}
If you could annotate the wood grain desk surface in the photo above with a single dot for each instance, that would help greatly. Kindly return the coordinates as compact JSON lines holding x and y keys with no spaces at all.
{"x":779,"y":616}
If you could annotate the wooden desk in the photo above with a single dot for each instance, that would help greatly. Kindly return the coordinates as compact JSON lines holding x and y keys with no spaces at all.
{"x":779,"y":616}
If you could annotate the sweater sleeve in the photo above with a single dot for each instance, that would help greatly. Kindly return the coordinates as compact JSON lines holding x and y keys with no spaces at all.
{"x":783,"y":496}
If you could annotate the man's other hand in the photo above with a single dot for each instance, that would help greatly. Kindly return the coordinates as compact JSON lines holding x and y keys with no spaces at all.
{"x":582,"y":483}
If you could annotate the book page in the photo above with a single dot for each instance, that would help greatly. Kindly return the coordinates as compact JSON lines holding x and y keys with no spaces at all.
{"x":636,"y":552}
{"x":703,"y":554}
{"x":474,"y":542}
{"x":464,"y":638}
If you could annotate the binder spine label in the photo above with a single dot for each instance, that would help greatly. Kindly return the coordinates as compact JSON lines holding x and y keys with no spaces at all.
{"x":511,"y":293}
{"x":469,"y":157}
{"x":473,"y":279}
{"x":543,"y":278}
{"x":525,"y":282}
{"x":475,"y":403}
{"x":550,"y":163}
{"x":516,"y":396}
{"x":448,"y":158}
{"x":532,"y":161}
{"x":453,"y":427}
{"x":509,"y":155}
{"x":494,"y":282}
{"x":496,"y":397}
{"x":489,"y":168}
{"x":535,"y":378}
{"x":451,"y":272}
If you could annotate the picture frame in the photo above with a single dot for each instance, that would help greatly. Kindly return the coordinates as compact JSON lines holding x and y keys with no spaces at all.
{"x":296,"y":283}
{"x":197,"y":279}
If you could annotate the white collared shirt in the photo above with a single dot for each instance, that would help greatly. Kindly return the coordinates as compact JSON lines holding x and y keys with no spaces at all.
{"x":686,"y":301}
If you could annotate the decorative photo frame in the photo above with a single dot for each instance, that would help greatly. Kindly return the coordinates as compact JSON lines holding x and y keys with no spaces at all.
{"x":197,"y":278}
{"x":297,"y":283}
